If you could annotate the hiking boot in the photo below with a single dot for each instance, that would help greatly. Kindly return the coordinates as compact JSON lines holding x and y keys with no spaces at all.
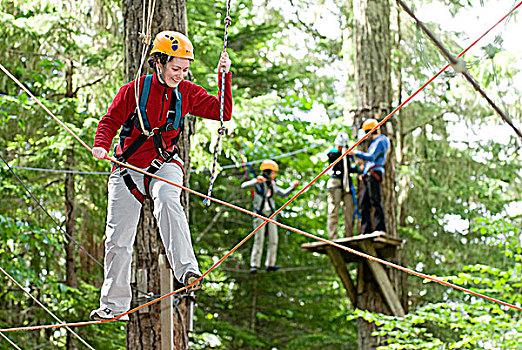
{"x":273,"y":268}
{"x":253,"y":270}
{"x":107,"y":314}
{"x":191,"y":277}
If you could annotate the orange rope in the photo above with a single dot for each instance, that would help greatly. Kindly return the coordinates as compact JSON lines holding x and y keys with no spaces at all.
{"x":270,"y":219}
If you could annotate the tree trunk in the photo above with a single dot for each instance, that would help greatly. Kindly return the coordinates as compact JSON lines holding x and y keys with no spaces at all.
{"x":373,"y":79}
{"x":374,"y":98}
{"x":144,"y":329}
{"x":70,"y":248}
{"x":70,"y":212}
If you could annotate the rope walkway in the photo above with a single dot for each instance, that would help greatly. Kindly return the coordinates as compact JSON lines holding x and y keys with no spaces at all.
{"x":270,"y":219}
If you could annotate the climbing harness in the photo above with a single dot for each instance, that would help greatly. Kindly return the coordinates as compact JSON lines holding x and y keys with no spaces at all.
{"x":165,"y":153}
{"x":221,"y":130}
{"x":270,"y":219}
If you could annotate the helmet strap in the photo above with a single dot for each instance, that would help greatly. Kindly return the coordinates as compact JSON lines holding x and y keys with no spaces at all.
{"x":161,"y":77}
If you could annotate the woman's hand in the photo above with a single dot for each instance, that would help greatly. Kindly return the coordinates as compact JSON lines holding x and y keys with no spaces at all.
{"x":99,"y":152}
{"x":224,"y":62}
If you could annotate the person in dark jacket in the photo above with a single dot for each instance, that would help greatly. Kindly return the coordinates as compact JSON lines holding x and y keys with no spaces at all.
{"x":151,"y":127}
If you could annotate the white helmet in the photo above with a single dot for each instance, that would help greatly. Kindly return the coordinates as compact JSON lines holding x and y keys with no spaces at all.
{"x":342,"y":139}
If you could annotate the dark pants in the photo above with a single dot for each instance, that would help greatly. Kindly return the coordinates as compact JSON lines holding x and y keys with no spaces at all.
{"x":371,"y":198}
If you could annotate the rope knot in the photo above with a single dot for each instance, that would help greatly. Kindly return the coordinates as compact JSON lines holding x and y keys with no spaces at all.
{"x":221,"y":130}
{"x":144,"y":38}
{"x":228,"y":21}
{"x":459,"y":65}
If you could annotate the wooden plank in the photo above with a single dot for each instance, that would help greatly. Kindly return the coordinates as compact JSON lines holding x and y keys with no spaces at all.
{"x":342,"y":271}
{"x":353,"y":241}
{"x":382,"y":279}
{"x":167,"y":309}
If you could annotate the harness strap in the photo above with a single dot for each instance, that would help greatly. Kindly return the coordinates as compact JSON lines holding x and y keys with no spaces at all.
{"x":131,"y":185}
{"x":133,"y":147}
{"x":155,"y":165}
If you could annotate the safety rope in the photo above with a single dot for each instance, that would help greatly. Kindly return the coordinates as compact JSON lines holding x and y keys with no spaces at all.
{"x":145,"y":37}
{"x":460,"y":66}
{"x":221,"y":130}
{"x":46,"y":309}
{"x":270,"y":219}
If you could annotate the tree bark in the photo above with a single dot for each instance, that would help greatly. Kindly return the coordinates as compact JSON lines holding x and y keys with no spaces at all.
{"x":144,"y":330}
{"x":70,"y":212}
{"x":374,"y":98}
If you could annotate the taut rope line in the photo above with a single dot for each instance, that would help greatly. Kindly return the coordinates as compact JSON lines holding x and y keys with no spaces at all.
{"x":221,"y":131}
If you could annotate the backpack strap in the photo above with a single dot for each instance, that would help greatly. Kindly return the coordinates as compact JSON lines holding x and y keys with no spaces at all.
{"x":174,"y":117}
{"x":144,"y":98}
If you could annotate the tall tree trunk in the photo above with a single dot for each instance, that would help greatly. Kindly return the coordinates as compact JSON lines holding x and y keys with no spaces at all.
{"x":374,"y":98}
{"x":144,"y":329}
{"x":70,"y":212}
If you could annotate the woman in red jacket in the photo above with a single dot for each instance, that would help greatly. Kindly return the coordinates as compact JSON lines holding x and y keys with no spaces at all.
{"x":151,"y":123}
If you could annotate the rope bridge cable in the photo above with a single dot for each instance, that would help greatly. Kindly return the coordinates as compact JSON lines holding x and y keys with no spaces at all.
{"x":221,"y":131}
{"x":46,"y":309}
{"x":270,"y":220}
{"x":224,"y":167}
{"x":459,"y":67}
{"x":10,"y":341}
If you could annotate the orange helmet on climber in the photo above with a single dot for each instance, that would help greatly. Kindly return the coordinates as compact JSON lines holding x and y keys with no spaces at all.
{"x":369,"y":124}
{"x":269,"y":164}
{"x":173,"y":44}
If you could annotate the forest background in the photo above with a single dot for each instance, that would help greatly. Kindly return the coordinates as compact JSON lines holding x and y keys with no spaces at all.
{"x":458,"y":166}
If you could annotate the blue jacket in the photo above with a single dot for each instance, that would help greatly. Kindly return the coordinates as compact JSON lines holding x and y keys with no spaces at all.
{"x":376,"y":156}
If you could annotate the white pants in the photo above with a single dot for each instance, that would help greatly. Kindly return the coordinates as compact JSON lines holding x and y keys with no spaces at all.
{"x":123,"y":213}
{"x":337,"y":199}
{"x":259,"y":238}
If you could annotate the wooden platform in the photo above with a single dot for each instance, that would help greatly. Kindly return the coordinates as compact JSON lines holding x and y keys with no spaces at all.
{"x":377,"y":244}
{"x":385,"y":246}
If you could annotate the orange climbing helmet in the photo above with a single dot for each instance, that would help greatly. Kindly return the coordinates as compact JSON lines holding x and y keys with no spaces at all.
{"x":269,"y":164}
{"x":369,"y":124}
{"x":173,"y":44}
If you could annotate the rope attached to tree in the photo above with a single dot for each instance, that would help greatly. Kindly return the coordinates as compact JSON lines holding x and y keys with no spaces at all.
{"x":145,"y":37}
{"x":221,"y":130}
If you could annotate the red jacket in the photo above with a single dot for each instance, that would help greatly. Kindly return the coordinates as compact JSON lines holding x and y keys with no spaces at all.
{"x":195,"y":100}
